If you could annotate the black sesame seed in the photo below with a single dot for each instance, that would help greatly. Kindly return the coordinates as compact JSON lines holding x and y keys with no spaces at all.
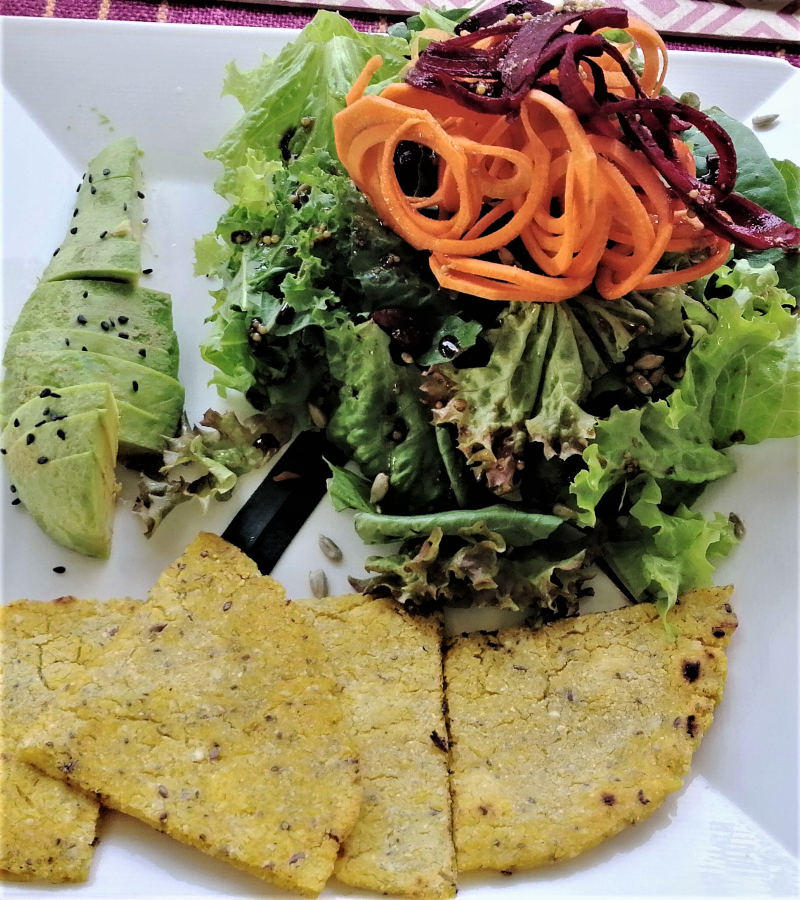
{"x":85,"y":294}
{"x":73,"y":231}
{"x":105,"y":326}
{"x":3,"y":451}
{"x":90,"y":179}
{"x":147,"y":271}
{"x":55,"y":252}
{"x":111,"y":322}
{"x":123,"y":335}
{"x":106,"y":171}
{"x":29,"y":439}
{"x":59,"y":570}
{"x":75,"y":213}
{"x":16,"y":501}
{"x":103,"y":234}
{"x":16,"y":423}
{"x":124,"y":207}
{"x":55,"y":395}
{"x":145,"y":221}
{"x":41,"y":460}
{"x":82,"y":320}
{"x":93,"y":189}
{"x":61,"y":434}
{"x":66,"y":341}
{"x":13,"y":489}
{"x":143,"y":352}
{"x":135,"y":386}
{"x":55,"y":417}
{"x":123,"y":320}
{"x":45,"y":392}
{"x":46,"y":411}
{"x":83,"y":348}
{"x":40,"y":423}
{"x":78,"y":188}
{"x":140,"y":195}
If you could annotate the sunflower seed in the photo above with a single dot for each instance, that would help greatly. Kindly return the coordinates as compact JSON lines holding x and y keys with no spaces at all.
{"x":318,"y":417}
{"x":330,"y":549}
{"x":648,"y":361}
{"x":765,"y":121}
{"x":379,"y":487}
{"x":318,"y":581}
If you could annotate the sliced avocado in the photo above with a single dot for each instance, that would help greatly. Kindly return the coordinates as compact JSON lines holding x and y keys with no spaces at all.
{"x":42,"y":415}
{"x":120,"y":159}
{"x":78,"y":433}
{"x":111,"y":343}
{"x":144,"y":315}
{"x":107,"y":209}
{"x":71,"y":498}
{"x":141,"y":432}
{"x":154,"y":393}
{"x":116,"y":259}
{"x":63,"y":468}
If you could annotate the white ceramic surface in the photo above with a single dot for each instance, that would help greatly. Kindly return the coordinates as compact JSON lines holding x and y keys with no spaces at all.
{"x":70,"y":87}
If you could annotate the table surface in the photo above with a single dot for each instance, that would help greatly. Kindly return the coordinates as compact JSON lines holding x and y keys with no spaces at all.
{"x":288,"y":16}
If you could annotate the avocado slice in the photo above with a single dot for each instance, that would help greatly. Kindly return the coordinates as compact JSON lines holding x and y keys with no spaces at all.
{"x":47,"y":439}
{"x":62,"y":464}
{"x":38,"y":415}
{"x":72,"y":498}
{"x":115,"y":259}
{"x":157,"y":395}
{"x":107,"y":344}
{"x":120,"y":159}
{"x":107,"y":209}
{"x":144,"y":315}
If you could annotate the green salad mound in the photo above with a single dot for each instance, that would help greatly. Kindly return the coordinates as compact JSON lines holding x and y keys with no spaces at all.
{"x":513,"y":449}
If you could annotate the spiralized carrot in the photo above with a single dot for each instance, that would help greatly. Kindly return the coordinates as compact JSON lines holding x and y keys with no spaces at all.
{"x":552,"y":206}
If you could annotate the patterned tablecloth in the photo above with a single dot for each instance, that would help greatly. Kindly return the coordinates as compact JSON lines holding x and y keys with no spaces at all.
{"x":762,"y":27}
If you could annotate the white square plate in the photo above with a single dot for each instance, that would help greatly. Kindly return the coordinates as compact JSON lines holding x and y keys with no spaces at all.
{"x":72,"y":86}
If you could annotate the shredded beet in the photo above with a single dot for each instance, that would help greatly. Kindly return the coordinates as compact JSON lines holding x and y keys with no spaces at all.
{"x":535,"y":45}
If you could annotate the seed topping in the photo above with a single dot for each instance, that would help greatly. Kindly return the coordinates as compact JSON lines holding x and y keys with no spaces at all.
{"x":41,"y":460}
{"x":59,"y":570}
{"x":135,"y":386}
{"x":29,"y":439}
{"x":147,"y":271}
{"x":61,"y":434}
{"x":123,"y":320}
{"x":82,"y":320}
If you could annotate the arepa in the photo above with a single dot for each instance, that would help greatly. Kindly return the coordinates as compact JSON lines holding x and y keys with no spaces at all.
{"x":389,"y":666}
{"x":211,"y":718}
{"x":562,"y":737}
{"x":47,"y":829}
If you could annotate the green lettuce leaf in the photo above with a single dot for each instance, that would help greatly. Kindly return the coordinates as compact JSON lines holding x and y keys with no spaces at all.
{"x":476,"y":567}
{"x":757,"y":177}
{"x":290,"y":102}
{"x":379,"y":419}
{"x":520,"y":529}
{"x":349,"y":490}
{"x":756,"y":351}
{"x":661,"y":555}
{"x":206,"y":465}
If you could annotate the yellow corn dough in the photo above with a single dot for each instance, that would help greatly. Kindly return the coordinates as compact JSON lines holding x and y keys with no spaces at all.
{"x":389,"y":665}
{"x":47,"y":829}
{"x":211,"y":718}
{"x":563,"y":736}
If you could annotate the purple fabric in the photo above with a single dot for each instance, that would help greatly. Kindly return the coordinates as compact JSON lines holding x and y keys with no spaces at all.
{"x":197,"y":13}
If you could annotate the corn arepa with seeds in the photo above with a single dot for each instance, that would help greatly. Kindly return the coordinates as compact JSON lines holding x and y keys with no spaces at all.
{"x":563,"y":736}
{"x":47,"y":829}
{"x":211,"y":718}
{"x":389,"y":666}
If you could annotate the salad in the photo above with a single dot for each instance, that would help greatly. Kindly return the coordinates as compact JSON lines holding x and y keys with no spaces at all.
{"x":514,"y":447}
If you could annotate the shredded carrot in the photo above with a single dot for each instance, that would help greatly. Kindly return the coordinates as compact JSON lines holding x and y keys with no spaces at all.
{"x":581,"y":207}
